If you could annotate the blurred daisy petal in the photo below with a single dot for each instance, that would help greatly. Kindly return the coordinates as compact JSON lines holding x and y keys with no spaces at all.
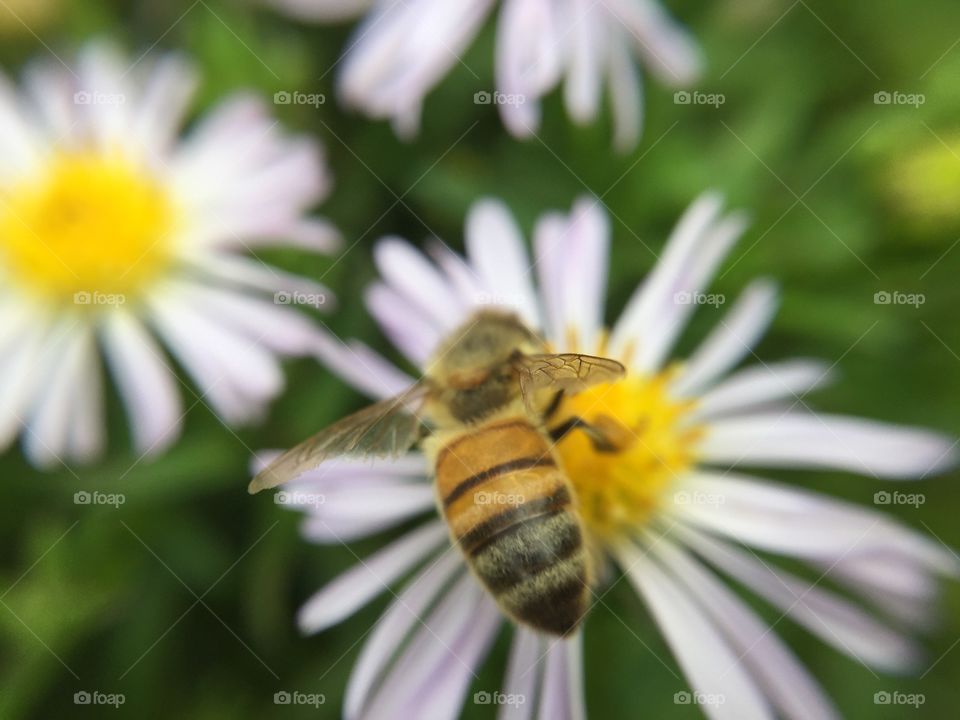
{"x":147,"y":385}
{"x":520,"y":681}
{"x":707,"y":660}
{"x":402,"y":50}
{"x":433,"y":671}
{"x":562,"y":694}
{"x":413,"y":276}
{"x":346,"y":594}
{"x":401,"y":617}
{"x":835,"y":620}
{"x":828,"y":441}
{"x":786,"y":682}
{"x":732,"y":339}
{"x":762,"y":384}
{"x":496,"y":249}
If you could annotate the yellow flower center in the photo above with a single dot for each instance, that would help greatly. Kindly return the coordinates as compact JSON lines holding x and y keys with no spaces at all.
{"x":618,"y":486}
{"x":88,"y":229}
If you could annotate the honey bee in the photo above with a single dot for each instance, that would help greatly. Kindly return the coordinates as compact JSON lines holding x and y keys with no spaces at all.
{"x":482,"y":415}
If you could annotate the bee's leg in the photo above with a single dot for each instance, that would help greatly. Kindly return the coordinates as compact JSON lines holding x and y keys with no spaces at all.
{"x":554,"y":405}
{"x":605,"y":438}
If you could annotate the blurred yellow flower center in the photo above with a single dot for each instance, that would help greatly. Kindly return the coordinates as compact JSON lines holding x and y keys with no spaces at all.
{"x":925,"y":183}
{"x":619,"y":486}
{"x":91,"y":227}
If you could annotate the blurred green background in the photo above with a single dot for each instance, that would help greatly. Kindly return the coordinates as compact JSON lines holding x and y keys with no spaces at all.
{"x":183,"y":598}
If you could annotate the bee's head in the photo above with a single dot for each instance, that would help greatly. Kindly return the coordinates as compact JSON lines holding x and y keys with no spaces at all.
{"x":473,"y":365}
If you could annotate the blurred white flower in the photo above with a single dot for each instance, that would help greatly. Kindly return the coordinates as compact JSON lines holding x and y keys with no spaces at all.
{"x":110,"y":224}
{"x":403,"y":49}
{"x":671,"y":509}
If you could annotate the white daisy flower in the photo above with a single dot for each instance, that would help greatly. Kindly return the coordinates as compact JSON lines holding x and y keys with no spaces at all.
{"x":403,"y":49}
{"x":112,"y":228}
{"x":673,"y":508}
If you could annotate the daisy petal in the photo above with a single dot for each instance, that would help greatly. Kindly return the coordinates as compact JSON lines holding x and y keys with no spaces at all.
{"x":731,"y":340}
{"x":626,"y":95}
{"x":520,"y":680}
{"x":801,"y":523}
{"x":688,"y":285}
{"x":401,"y":51}
{"x":527,"y":61}
{"x":459,"y":274}
{"x":496,"y":249}
{"x":833,"y":619}
{"x":561,"y":697}
{"x":587,"y":253}
{"x":20,"y":359}
{"x":706,"y":659}
{"x":86,"y":434}
{"x":802,"y":440}
{"x":354,"y":512}
{"x":587,"y":37}
{"x":893,"y":582}
{"x":431,"y":675}
{"x":668,"y":49}
{"x":247,"y":273}
{"x":147,"y":385}
{"x":413,"y":334}
{"x":653,"y":316}
{"x":361,"y":366}
{"x":410,"y":274}
{"x":402,"y":616}
{"x":166,"y":96}
{"x":262,"y":322}
{"x":233,"y":373}
{"x":786,"y":682}
{"x":49,"y":423}
{"x":550,"y":238}
{"x":353,"y":589}
{"x":761,"y":384}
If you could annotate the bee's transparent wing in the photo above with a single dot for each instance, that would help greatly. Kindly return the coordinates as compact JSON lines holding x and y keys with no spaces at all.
{"x":569,"y":372}
{"x":385,"y":429}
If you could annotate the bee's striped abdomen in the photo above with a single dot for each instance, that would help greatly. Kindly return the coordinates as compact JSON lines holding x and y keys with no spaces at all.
{"x":509,"y":507}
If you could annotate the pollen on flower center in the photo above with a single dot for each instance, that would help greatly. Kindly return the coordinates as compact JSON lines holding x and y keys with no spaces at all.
{"x":618,"y":487}
{"x":89,"y":223}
